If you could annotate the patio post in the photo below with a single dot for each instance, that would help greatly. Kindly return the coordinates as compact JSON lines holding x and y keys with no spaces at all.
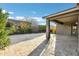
{"x":47,"y":29}
{"x":78,"y":35}
{"x":71,"y":29}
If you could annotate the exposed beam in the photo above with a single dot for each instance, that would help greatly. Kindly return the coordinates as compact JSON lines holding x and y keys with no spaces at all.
{"x":58,"y":21}
{"x":64,"y":16}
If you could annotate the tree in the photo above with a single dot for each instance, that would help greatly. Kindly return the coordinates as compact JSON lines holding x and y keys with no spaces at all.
{"x":42,"y":28}
{"x":53,"y":29}
{"x":34,"y":24}
{"x":24,"y":27}
{"x":11,"y":27}
{"x":4,"y":40}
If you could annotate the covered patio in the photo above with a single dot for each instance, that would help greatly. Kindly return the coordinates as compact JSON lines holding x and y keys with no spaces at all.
{"x":67,"y":25}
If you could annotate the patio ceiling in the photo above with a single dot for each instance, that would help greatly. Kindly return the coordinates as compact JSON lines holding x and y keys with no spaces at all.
{"x":65,"y":17}
{"x":66,"y":20}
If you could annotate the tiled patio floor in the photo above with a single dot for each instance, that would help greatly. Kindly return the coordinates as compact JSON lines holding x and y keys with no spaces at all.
{"x":61,"y":45}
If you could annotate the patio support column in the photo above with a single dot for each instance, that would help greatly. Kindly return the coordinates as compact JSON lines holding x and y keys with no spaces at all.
{"x":47,"y":29}
{"x":78,"y":35}
{"x":71,"y":29}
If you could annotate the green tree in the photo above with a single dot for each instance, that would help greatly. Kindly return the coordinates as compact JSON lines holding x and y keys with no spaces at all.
{"x":4,"y":40}
{"x":24,"y":27}
{"x":11,"y":27}
{"x":42,"y":28}
{"x":34,"y":24}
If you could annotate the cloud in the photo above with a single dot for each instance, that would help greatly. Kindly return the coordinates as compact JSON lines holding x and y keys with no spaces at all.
{"x":10,"y":17}
{"x":4,"y":11}
{"x":40,"y":20}
{"x":11,"y":12}
{"x":19,"y":17}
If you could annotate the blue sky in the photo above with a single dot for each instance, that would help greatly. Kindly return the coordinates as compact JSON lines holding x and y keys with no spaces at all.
{"x":37,"y":11}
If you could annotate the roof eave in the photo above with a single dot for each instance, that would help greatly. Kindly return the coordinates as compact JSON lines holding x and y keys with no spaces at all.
{"x":59,"y":13}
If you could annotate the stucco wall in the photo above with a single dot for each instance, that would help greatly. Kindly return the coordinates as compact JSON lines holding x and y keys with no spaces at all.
{"x":78,"y":36}
{"x":78,"y":40}
{"x":63,"y":29}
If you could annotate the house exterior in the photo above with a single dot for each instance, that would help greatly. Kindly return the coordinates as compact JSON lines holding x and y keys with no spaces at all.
{"x":67,"y":23}
{"x":24,"y":24}
{"x":17,"y":23}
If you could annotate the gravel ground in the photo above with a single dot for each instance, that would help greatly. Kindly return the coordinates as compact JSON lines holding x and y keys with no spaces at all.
{"x":24,"y":37}
{"x":24,"y":47}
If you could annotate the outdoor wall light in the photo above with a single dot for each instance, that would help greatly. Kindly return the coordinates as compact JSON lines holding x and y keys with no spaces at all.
{"x":76,"y":23}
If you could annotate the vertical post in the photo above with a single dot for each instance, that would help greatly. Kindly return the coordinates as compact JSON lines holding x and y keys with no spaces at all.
{"x":71,"y":30}
{"x":78,"y":35}
{"x":47,"y":29}
{"x":77,"y":28}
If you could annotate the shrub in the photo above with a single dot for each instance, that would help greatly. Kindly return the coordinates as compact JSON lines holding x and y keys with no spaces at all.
{"x":11,"y":27}
{"x":24,"y":27}
{"x":53,"y":30}
{"x":24,"y":30}
{"x":42,"y":28}
{"x":12,"y":30}
{"x":4,"y":40}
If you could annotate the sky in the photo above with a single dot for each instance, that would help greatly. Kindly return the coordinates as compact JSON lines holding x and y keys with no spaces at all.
{"x":34,"y":10}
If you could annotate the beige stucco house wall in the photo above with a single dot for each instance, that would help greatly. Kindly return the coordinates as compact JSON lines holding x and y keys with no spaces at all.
{"x":63,"y":29}
{"x":78,"y":34}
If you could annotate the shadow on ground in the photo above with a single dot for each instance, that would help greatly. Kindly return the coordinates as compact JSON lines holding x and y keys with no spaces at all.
{"x":39,"y":49}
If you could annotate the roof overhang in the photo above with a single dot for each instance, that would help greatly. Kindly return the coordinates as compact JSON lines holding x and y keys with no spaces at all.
{"x":67,"y":16}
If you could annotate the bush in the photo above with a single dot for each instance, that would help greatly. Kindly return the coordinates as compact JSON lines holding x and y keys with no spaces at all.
{"x":53,"y":30}
{"x":11,"y":27}
{"x":42,"y":28}
{"x":24,"y":30}
{"x":13,"y":30}
{"x":23,"y":27}
{"x":4,"y":40}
